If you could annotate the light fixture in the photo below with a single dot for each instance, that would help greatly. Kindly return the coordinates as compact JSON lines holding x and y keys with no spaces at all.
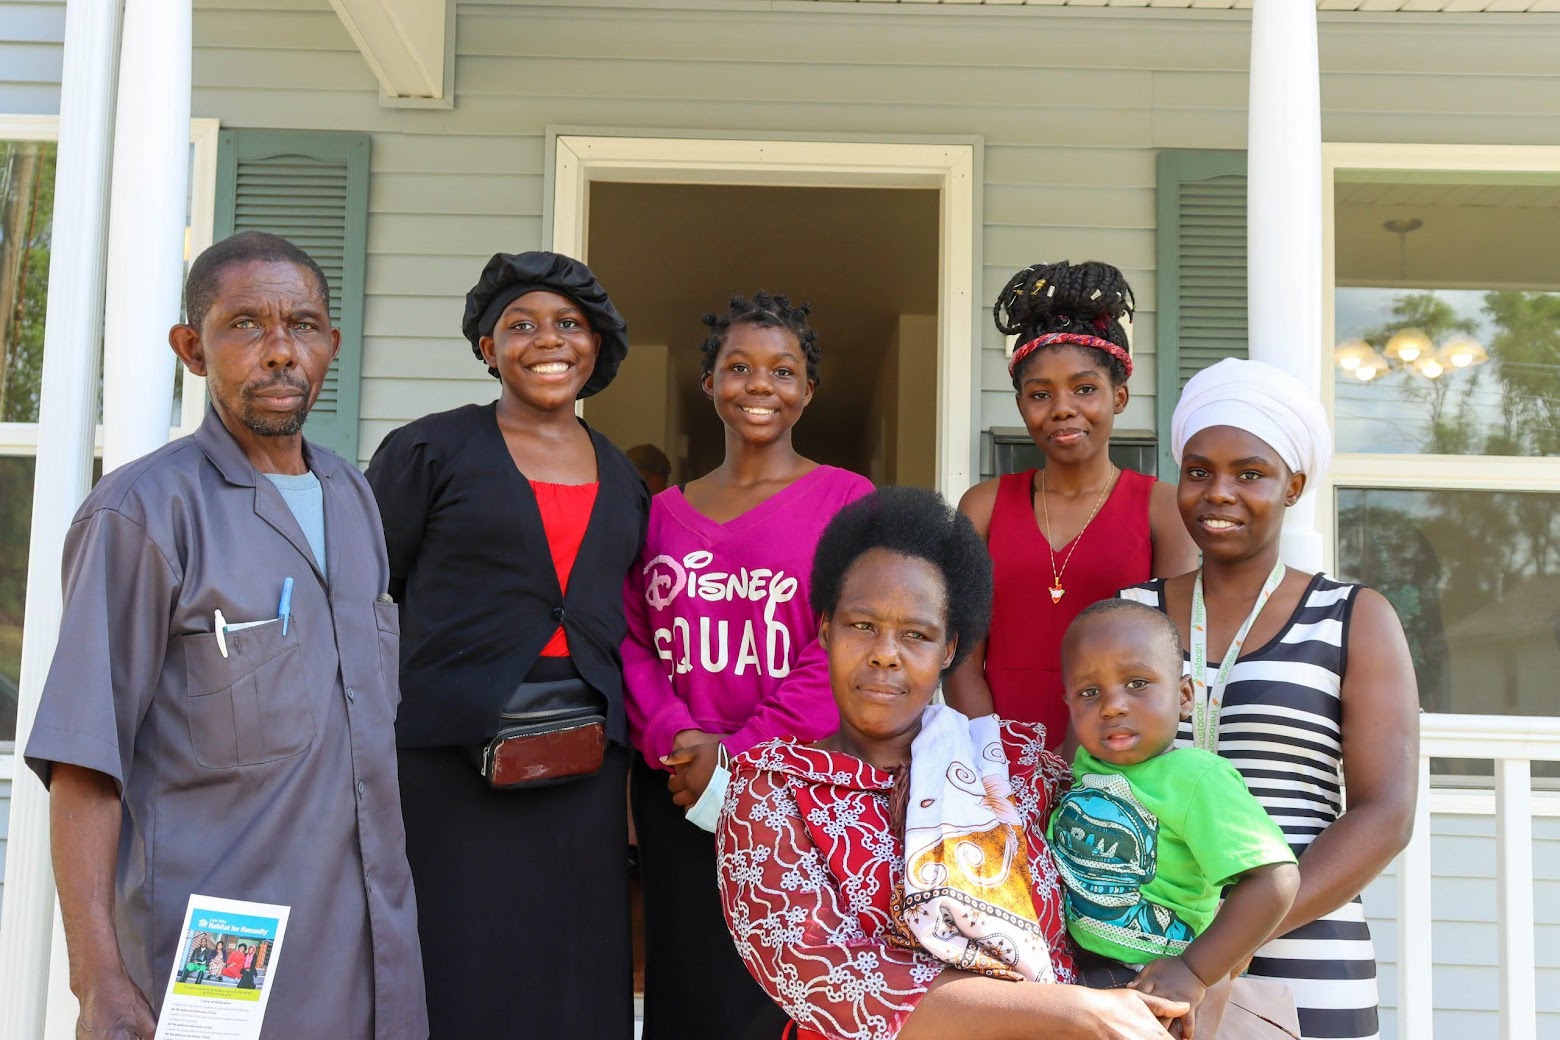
{"x":1464,"y":351}
{"x":1409,"y":346}
{"x":1354,"y":353}
{"x":1410,"y":350}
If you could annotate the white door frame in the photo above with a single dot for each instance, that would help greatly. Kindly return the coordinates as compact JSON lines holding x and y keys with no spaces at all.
{"x":580,"y":159}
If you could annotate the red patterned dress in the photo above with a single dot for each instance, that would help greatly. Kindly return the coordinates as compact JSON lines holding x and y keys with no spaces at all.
{"x":809,"y":870}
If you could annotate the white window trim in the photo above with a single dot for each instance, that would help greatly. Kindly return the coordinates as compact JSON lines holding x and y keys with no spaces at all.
{"x":22,"y":438}
{"x":1424,"y":472}
{"x":583,"y":157}
{"x":1420,"y":472}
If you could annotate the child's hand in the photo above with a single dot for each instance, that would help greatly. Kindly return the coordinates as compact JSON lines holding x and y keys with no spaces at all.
{"x":1169,"y":977}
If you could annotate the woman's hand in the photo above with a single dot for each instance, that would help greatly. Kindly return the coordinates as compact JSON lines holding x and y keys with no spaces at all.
{"x":977,"y":1008}
{"x":692,"y":764}
{"x":1130,"y":1014}
{"x":1170,"y":978}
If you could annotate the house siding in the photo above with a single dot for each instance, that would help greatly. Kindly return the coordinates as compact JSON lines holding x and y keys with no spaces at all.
{"x":1465,"y":935}
{"x":1072,"y":108}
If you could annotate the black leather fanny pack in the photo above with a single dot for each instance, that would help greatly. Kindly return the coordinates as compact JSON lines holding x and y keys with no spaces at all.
{"x":549,"y":733}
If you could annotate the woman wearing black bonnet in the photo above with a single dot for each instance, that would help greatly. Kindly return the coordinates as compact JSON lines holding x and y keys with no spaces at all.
{"x":510,"y":527}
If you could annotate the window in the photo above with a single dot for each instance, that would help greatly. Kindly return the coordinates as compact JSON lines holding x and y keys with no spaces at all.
{"x":26,"y":218}
{"x":27,"y":167}
{"x":1444,"y":384}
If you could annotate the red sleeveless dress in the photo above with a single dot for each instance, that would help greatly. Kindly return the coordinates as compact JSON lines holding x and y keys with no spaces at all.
{"x":1024,"y":649}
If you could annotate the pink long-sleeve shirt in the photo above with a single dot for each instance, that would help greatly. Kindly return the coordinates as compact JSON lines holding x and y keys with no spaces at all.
{"x":721,"y":634}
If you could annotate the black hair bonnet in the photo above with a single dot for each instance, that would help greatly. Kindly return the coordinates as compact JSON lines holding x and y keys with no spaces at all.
{"x":557,"y":273}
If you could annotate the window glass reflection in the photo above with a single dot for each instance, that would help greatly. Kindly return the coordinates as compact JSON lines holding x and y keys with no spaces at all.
{"x":16,"y":496}
{"x":1447,"y":313}
{"x":1475,"y":579}
{"x":26,"y":223}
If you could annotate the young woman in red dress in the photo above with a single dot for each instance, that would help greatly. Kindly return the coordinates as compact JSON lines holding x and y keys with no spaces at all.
{"x":1078,"y":530}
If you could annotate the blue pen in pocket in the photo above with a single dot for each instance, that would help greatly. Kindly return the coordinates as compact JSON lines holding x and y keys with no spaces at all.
{"x":284,"y":609}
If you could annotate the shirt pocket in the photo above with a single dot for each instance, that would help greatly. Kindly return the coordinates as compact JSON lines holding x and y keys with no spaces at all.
{"x":387,"y":619}
{"x":252,"y":706}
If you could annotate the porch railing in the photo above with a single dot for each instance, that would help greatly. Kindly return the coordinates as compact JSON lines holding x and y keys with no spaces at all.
{"x":1513,"y":744}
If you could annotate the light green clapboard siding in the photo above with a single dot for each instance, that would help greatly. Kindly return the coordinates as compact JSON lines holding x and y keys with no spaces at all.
{"x":1464,"y":936}
{"x":30,"y":34}
{"x":1071,"y":131}
{"x":1071,"y":126}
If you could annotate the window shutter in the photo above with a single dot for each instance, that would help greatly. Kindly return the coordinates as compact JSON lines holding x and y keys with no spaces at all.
{"x":1202,"y":273}
{"x":311,"y":189}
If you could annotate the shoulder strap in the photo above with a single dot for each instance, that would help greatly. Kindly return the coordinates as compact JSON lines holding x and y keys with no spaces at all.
{"x":1013,"y":501}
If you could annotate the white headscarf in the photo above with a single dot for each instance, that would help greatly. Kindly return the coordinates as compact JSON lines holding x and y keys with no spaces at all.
{"x":1266,"y":402}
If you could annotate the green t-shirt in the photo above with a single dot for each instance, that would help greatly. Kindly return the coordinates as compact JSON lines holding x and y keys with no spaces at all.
{"x":1145,"y":851}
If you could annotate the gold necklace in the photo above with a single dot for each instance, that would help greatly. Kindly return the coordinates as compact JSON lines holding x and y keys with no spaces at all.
{"x":1057,"y":592}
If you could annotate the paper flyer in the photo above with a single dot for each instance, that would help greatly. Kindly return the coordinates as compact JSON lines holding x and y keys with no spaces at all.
{"x":217,"y":989}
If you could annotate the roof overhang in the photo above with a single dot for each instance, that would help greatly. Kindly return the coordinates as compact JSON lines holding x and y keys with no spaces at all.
{"x":409,"y":44}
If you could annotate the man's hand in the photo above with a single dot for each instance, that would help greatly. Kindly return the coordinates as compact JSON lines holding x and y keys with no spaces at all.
{"x":113,"y":1008}
{"x":692,"y":764}
{"x":1169,"y":977}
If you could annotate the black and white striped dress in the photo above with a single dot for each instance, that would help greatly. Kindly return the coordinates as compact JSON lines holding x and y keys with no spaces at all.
{"x":1280,"y":727}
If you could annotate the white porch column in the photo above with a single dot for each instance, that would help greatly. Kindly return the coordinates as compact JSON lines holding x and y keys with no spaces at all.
{"x":1284,"y":217}
{"x":147,"y":215}
{"x":67,"y":415}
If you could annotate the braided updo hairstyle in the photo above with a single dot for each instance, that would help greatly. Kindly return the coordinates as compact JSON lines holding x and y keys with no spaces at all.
{"x":1089,"y":298}
{"x":769,"y":310}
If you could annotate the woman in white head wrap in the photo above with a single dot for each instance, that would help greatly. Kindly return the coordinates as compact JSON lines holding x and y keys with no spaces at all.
{"x":1303,"y":682}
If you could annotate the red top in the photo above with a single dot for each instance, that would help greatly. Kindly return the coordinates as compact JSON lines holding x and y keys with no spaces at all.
{"x":565,"y":510}
{"x":1024,"y":649}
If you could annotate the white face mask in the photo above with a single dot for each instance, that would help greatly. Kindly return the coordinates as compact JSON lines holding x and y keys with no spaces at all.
{"x":705,"y":812}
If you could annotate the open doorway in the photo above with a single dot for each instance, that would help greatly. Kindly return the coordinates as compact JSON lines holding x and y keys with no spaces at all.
{"x":865,"y":258}
{"x":947,"y":169}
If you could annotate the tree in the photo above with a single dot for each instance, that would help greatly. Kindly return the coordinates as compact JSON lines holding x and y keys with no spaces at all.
{"x":1438,"y":319}
{"x":26,"y":235}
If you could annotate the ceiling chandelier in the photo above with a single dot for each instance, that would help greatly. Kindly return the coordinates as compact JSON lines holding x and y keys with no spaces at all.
{"x":1408,"y":350}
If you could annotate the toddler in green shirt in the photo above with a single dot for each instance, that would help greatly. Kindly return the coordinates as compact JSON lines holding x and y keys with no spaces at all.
{"x":1151,"y":834}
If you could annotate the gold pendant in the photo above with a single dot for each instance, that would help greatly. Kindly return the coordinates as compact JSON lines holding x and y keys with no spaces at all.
{"x":1056,"y":593}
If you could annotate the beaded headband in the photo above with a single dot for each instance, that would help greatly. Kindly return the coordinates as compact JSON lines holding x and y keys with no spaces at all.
{"x":1077,"y":339}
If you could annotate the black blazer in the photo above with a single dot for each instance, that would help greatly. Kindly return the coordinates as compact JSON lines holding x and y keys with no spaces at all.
{"x":470,"y":566}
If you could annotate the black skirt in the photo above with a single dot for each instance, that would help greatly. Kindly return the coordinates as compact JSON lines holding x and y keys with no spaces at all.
{"x":696,"y":986}
{"x":522,"y":900}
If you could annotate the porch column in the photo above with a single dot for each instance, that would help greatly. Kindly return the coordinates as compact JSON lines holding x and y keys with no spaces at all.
{"x":147,"y":215}
{"x":1284,"y":218}
{"x":67,"y":416}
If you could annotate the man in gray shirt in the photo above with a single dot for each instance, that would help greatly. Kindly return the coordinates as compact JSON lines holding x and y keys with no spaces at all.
{"x":251,"y":761}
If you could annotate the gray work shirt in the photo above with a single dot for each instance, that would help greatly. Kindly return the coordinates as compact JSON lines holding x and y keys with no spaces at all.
{"x":268,"y":774}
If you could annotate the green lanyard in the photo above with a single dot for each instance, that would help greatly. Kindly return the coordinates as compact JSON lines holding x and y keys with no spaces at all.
{"x":1206,"y":700}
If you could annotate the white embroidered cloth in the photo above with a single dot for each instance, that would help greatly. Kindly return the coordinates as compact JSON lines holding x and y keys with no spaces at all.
{"x":967,"y":896}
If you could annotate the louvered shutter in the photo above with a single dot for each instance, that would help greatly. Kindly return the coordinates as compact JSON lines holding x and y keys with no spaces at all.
{"x":1201,"y":305}
{"x":312,"y":189}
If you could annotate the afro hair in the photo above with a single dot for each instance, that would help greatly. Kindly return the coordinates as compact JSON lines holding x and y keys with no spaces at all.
{"x":918,"y":523}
